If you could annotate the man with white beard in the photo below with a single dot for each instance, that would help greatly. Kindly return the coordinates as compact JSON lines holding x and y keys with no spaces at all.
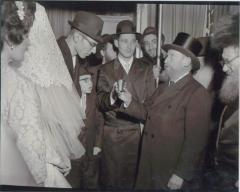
{"x":226,"y":37}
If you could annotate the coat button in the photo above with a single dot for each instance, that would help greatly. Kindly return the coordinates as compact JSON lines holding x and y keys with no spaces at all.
{"x":152,"y":136}
{"x":169,"y":106}
{"x":148,"y":117}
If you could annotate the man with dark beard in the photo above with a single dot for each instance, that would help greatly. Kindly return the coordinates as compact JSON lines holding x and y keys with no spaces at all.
{"x":226,"y":37}
{"x":149,"y":44}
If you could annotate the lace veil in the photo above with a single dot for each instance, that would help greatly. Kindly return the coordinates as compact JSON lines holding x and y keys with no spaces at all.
{"x":60,"y":104}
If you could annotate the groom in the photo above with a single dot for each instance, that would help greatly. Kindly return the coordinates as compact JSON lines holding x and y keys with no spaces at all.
{"x":81,"y":41}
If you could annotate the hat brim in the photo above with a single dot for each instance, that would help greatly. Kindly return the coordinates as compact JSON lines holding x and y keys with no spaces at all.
{"x":82,"y":29}
{"x":195,"y":61}
{"x":138,"y":35}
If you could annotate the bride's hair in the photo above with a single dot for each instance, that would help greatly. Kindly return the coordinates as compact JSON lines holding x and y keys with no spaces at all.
{"x":16,"y":20}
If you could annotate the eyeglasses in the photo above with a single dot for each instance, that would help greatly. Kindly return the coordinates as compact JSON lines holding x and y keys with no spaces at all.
{"x":228,"y":62}
{"x":92,"y":44}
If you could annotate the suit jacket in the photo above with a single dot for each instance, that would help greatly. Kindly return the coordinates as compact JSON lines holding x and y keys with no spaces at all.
{"x":175,"y":132}
{"x":88,"y":135}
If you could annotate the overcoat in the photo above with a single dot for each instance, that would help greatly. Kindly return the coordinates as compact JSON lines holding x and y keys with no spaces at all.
{"x":228,"y":140}
{"x":121,"y":133}
{"x":175,"y":133}
{"x":89,"y":135}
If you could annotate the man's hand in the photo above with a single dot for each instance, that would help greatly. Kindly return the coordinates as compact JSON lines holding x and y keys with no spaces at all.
{"x":96,"y":150}
{"x":113,"y":94}
{"x":125,"y":96}
{"x":175,"y":182}
{"x":156,"y":71}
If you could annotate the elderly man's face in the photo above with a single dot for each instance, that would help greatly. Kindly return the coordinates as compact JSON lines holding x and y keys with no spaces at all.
{"x":174,"y":63}
{"x":231,"y":59}
{"x":150,"y":45}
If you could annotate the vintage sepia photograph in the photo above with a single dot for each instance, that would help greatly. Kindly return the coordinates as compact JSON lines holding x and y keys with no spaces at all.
{"x":119,"y":96}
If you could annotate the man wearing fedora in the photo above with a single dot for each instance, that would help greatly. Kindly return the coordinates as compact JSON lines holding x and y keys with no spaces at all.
{"x":149,"y":44}
{"x":107,"y":49}
{"x":177,"y":120}
{"x":121,"y":133}
{"x":81,"y":41}
{"x":225,"y":175}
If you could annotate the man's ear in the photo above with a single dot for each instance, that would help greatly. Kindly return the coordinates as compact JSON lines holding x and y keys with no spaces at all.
{"x":187,"y":62}
{"x":116,"y":43}
{"x":77,"y":37}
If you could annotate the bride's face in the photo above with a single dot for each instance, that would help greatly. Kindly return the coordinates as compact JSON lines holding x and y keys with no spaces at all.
{"x":17,"y":51}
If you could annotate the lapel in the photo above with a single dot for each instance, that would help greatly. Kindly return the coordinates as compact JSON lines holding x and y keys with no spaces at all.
{"x":119,"y":72}
{"x":137,"y":67}
{"x":67,"y":55}
{"x":171,"y":91}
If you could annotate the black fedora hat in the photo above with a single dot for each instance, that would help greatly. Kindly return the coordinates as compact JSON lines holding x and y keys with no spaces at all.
{"x":88,"y":23}
{"x":205,"y":42}
{"x":106,"y":38}
{"x":150,"y":30}
{"x":188,"y":46}
{"x":126,"y":27}
{"x":84,"y":71}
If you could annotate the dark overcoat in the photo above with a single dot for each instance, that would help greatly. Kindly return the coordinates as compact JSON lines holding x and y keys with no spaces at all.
{"x":89,"y":134}
{"x":175,"y":133}
{"x":121,"y":133}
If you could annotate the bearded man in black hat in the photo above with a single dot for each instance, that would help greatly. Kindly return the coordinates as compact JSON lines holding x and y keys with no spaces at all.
{"x":81,"y":41}
{"x":149,"y":44}
{"x":121,"y":132}
{"x":177,"y":121}
{"x":225,"y":175}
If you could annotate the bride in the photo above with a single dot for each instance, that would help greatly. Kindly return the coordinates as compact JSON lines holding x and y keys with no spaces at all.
{"x":41,"y":116}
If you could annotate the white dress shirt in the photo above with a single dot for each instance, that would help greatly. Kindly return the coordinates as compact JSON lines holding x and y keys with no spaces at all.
{"x":126,"y":65}
{"x":178,"y":79}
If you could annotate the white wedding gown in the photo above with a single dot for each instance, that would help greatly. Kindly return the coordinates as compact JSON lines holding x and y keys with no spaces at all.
{"x":41,"y":115}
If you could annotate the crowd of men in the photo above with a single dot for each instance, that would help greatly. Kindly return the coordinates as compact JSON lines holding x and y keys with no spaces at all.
{"x":148,"y":126}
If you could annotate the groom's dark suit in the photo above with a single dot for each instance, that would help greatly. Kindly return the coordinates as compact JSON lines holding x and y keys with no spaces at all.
{"x":90,"y":135}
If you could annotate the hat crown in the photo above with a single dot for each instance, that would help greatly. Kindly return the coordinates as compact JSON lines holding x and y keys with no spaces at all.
{"x":188,"y":46}
{"x":150,"y":30}
{"x":84,"y":71}
{"x":88,"y":23}
{"x":205,"y":42}
{"x":187,"y":42}
{"x":125,"y":26}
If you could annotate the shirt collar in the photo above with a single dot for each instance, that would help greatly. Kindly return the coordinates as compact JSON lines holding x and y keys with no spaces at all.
{"x":182,"y":76}
{"x":126,"y":65}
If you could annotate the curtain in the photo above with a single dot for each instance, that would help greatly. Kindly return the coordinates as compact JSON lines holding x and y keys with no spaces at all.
{"x":182,"y":18}
{"x":221,"y":10}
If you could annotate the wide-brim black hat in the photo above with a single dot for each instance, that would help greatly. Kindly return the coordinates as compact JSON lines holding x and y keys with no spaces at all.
{"x":84,"y":71}
{"x":126,"y":27}
{"x":88,"y":23}
{"x":205,"y":42}
{"x":188,"y":46}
